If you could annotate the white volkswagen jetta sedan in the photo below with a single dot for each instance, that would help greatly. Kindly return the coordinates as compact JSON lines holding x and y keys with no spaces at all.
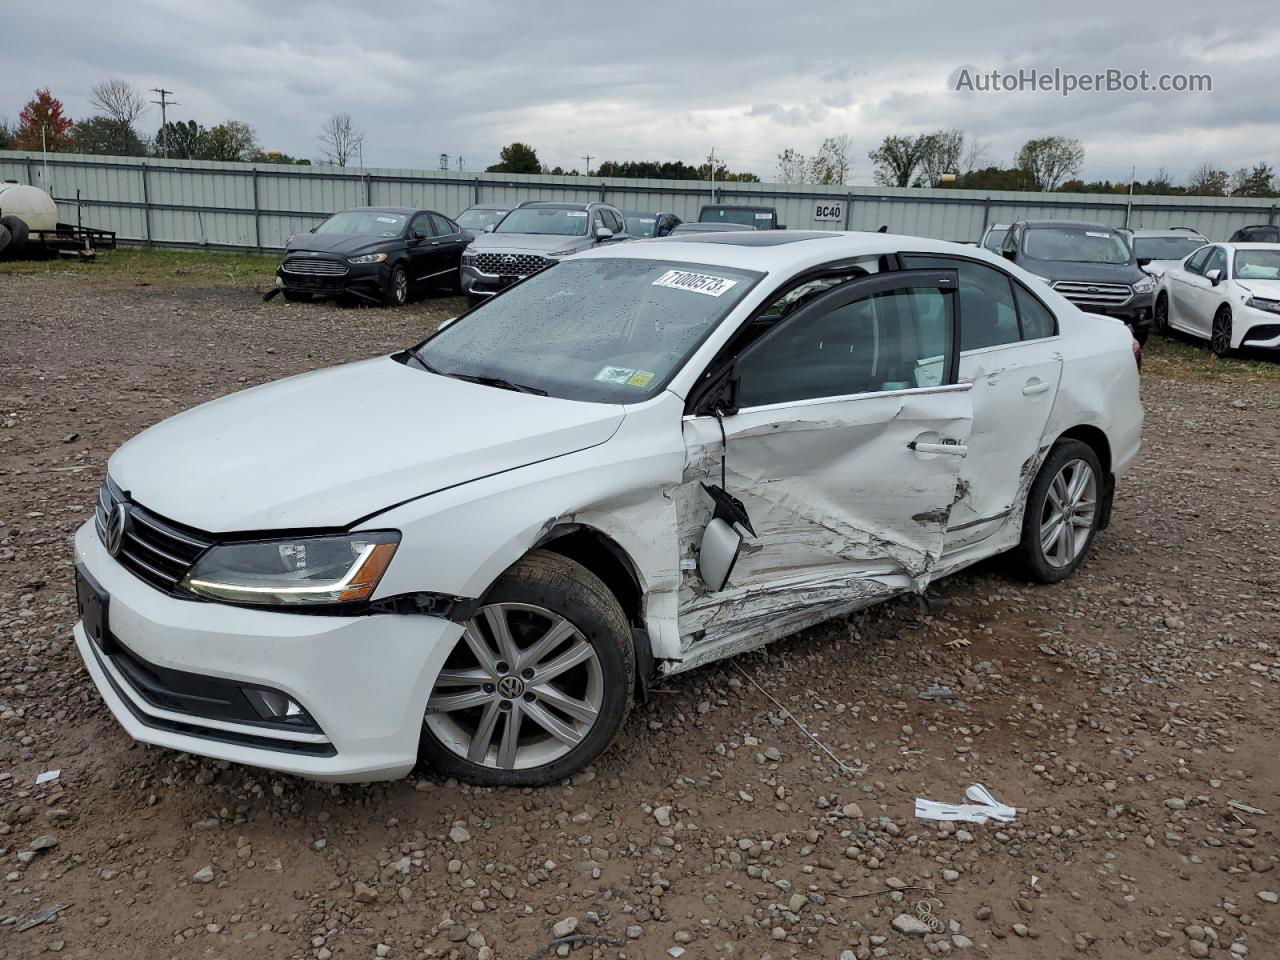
{"x":640,"y":460}
{"x":1226,"y":293}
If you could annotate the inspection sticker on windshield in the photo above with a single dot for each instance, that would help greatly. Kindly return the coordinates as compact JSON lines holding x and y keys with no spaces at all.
{"x":1095,"y":233}
{"x":388,"y":219}
{"x":695,"y":282}
{"x":575,"y":213}
{"x":625,"y":376}
{"x":764,"y":216}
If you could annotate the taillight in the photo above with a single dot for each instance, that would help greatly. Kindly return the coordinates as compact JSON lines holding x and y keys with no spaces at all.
{"x":1137,"y":353}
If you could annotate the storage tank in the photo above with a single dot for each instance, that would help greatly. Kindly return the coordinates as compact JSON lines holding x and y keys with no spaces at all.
{"x":31,"y":205}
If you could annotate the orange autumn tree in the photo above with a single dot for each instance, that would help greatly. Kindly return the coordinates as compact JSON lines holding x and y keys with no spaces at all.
{"x":44,"y":112}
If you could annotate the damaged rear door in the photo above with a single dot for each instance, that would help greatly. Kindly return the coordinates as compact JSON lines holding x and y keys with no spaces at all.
{"x":843,"y":441}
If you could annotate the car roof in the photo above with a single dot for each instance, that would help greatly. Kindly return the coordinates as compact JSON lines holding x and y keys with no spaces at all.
{"x":645,"y":213}
{"x":999,"y":226}
{"x":1074,"y":224}
{"x":403,"y":211}
{"x":1170,"y":232}
{"x":1255,"y":245}
{"x":737,"y":206}
{"x":784,"y":254}
{"x":491,"y":206}
{"x":559,"y":205}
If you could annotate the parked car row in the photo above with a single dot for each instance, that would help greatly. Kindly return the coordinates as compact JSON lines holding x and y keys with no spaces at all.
{"x":387,"y":254}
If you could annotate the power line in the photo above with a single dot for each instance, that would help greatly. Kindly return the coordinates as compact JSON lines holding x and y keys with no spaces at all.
{"x":587,"y":158}
{"x":164,"y":103}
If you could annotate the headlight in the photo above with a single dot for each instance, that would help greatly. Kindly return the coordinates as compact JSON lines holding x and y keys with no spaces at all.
{"x":1145,"y":285}
{"x":1258,"y":303}
{"x":469,"y":258}
{"x":301,"y":571}
{"x":368,"y":258}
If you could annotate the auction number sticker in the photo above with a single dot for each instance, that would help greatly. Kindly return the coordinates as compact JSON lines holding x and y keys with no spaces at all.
{"x":388,"y":219}
{"x":625,"y":376}
{"x":764,"y":216}
{"x":696,"y":282}
{"x":575,"y":213}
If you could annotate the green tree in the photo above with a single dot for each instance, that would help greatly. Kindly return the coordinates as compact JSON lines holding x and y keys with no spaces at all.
{"x":108,"y":136}
{"x":1047,"y":161}
{"x":793,"y":166}
{"x":896,"y":160}
{"x":517,"y":158}
{"x":180,"y":140}
{"x":43,"y":124}
{"x":940,"y":152}
{"x":831,"y":163}
{"x":278,"y":156}
{"x":992,"y":178}
{"x":1260,"y":181}
{"x":230,"y":141}
{"x":7,"y":134}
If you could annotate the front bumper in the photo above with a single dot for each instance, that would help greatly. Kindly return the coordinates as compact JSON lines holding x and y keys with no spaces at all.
{"x":1257,"y":329}
{"x":1136,"y":312}
{"x":476,"y":283}
{"x":363,"y":680}
{"x":362,"y":279}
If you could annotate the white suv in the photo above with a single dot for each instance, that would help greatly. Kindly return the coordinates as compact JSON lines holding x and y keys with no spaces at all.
{"x":635,"y":462}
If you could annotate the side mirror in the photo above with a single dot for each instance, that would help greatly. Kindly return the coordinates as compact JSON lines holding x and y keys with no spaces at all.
{"x":1009,"y":254}
{"x":1144,"y":261}
{"x":721,"y":544}
{"x":604,"y":233}
{"x":488,"y":227}
{"x":1214,"y":276}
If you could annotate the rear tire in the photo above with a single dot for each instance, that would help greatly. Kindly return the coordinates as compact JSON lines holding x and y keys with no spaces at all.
{"x":1220,"y":335}
{"x":1063,"y":510}
{"x":18,"y":234}
{"x":397,"y":292}
{"x":504,"y":718}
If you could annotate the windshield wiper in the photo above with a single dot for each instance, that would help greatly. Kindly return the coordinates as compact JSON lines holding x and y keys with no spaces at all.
{"x":499,"y":383}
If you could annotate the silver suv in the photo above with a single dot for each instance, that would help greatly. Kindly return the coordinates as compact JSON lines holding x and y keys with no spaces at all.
{"x":534,"y":236}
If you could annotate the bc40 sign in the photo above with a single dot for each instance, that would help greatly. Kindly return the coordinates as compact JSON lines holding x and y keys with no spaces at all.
{"x":826,"y":212}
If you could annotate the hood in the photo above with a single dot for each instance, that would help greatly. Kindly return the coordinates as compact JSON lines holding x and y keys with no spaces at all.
{"x":1158,"y":268}
{"x":1083,"y":272}
{"x":338,"y":243}
{"x":1270,"y":289}
{"x":326,"y":448}
{"x":527,"y":243}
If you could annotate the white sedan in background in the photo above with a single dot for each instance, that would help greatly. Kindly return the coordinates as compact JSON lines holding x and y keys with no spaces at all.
{"x":632,"y":463}
{"x":1226,"y":293}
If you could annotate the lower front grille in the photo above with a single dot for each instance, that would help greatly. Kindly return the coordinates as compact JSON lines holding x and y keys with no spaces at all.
{"x":1095,"y":294}
{"x":316,"y":284}
{"x":513,"y":264}
{"x":152,"y":548}
{"x":1262,"y":332}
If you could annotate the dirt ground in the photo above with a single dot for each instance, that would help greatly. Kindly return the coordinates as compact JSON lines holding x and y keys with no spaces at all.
{"x":1130,"y":714}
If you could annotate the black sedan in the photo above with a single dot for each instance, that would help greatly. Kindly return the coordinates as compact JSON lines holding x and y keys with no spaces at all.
{"x":376,"y":254}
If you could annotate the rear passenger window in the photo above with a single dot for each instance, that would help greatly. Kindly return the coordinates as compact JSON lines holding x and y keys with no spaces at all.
{"x":1037,"y":321}
{"x":988,"y":315}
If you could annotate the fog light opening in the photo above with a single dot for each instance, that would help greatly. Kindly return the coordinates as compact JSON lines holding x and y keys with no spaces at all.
{"x":273,"y":705}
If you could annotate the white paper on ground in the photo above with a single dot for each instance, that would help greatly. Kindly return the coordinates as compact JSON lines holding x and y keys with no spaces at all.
{"x":47,"y":776}
{"x":983,"y":808}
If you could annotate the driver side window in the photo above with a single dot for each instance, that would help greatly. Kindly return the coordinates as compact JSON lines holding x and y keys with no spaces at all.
{"x":421,"y":226}
{"x":892,"y":340}
{"x":1196,"y":262}
{"x":1217,"y":261}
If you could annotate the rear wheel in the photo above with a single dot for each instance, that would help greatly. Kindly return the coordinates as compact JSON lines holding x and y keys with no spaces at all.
{"x":397,"y":292}
{"x":1160,"y":315}
{"x":1220,"y":336}
{"x":1062,"y":514}
{"x":540,"y":682}
{"x":18,"y":234}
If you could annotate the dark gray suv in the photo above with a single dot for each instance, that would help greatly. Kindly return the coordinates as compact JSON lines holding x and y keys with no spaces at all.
{"x":534,"y":236}
{"x":1090,"y":264}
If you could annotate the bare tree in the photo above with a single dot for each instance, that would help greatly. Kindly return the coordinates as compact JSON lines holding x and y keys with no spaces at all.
{"x":340,"y":139}
{"x":940,"y":152}
{"x":1048,"y":161}
{"x":976,"y":157}
{"x":119,"y":100}
{"x":1207,"y":180}
{"x":792,"y":166}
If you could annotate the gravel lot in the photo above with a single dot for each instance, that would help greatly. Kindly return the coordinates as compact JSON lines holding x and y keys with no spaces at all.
{"x":1130,"y":714}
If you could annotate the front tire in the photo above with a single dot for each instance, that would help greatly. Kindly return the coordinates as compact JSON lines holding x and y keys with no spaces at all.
{"x":1220,"y":335}
{"x":1063,"y":510}
{"x":540,"y":682}
{"x":18,"y":234}
{"x":1160,"y":315}
{"x":397,"y":292}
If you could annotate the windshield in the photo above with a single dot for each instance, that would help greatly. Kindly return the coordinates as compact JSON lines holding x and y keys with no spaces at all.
{"x":1167,"y":248}
{"x":364,"y":223}
{"x":602,"y":330}
{"x":556,"y":221}
{"x":756,"y":220}
{"x":995,"y":237}
{"x":476,"y":219}
{"x":641,"y":224}
{"x":1258,"y":264}
{"x":1076,"y":245}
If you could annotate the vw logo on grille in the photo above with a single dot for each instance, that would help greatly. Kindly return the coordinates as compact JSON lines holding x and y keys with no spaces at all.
{"x":510,"y":687}
{"x":117,"y":524}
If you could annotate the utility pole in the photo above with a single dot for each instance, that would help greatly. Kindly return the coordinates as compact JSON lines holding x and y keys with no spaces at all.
{"x":444,"y":161}
{"x":164,"y":103}
{"x":1128,"y":207}
{"x":588,"y":159}
{"x":461,"y":165}
{"x":711,"y":162}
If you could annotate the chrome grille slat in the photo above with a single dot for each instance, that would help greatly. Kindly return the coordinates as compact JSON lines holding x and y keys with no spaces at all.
{"x":1095,"y":294}
{"x":153,"y":549}
{"x":511,"y":264}
{"x":316,"y":267}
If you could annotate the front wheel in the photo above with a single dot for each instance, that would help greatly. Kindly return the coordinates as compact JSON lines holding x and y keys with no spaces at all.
{"x":1160,"y":315}
{"x":397,"y":292}
{"x":1062,"y":514}
{"x":539,"y":683}
{"x":1220,"y":336}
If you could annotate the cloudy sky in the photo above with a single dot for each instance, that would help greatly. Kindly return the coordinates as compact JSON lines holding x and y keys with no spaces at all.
{"x":669,"y":80}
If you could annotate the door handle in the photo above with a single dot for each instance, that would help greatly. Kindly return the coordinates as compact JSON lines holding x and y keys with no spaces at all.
{"x":1034,"y":387}
{"x":435,"y":243}
{"x":948,"y":449}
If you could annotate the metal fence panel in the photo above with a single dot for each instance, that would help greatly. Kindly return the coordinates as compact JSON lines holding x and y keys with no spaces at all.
{"x":248,"y":206}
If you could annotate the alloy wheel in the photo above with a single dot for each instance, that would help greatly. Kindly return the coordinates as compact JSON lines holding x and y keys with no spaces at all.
{"x":522,"y":688}
{"x":401,"y":281}
{"x":1161,"y":315}
{"x":1067,"y":515}
{"x":1220,"y":338}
